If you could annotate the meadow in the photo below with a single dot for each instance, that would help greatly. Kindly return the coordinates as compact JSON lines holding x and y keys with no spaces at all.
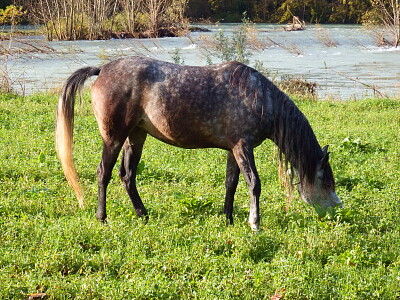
{"x":51,"y":248}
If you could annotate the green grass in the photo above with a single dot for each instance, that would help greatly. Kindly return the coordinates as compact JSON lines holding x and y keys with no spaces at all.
{"x":186,"y":250}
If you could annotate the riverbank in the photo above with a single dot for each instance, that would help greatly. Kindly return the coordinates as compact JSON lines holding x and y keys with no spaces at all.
{"x":173,"y":31}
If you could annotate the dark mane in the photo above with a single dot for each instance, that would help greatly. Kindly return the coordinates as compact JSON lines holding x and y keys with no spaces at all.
{"x":295,"y":138}
{"x":246,"y":79}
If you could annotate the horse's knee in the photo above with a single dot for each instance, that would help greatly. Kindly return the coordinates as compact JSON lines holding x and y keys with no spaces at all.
{"x":103,"y":180}
{"x":128,"y":179}
{"x":101,"y":175}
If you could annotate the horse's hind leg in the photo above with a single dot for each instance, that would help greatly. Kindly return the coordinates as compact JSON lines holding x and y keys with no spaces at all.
{"x":104,"y":172}
{"x":244,"y":156}
{"x":231,"y":182}
{"x":132,"y":151}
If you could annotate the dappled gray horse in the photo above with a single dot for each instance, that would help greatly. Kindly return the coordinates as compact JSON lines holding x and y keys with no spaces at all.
{"x":229,"y":106}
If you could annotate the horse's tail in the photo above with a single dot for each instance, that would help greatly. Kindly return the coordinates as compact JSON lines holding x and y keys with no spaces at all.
{"x":65,"y":124}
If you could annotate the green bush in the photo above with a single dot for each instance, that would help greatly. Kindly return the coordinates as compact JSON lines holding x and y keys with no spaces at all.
{"x":11,"y":15}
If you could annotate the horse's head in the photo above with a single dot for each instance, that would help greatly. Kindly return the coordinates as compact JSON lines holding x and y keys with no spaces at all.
{"x":320,"y":190}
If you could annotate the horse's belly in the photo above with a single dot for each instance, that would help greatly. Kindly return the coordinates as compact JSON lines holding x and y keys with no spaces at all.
{"x":185,"y":135}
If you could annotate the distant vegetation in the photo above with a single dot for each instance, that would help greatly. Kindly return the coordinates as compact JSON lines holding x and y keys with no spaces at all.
{"x":11,"y":15}
{"x":386,"y":13}
{"x":278,"y":11}
{"x":272,"y":11}
{"x":99,"y":19}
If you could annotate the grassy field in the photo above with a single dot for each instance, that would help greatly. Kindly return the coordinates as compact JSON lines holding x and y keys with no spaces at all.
{"x":186,"y":250}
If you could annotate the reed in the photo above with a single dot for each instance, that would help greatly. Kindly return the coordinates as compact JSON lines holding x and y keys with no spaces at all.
{"x":323,"y":36}
{"x":102,"y":19}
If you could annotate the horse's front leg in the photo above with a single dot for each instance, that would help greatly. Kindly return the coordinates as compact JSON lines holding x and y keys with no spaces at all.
{"x":231,"y":182}
{"x":104,"y":172}
{"x":243,"y":152}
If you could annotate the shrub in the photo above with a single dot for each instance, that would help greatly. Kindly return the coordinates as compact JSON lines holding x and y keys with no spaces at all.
{"x":11,"y":15}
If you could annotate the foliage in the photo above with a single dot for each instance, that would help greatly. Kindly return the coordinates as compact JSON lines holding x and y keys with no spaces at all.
{"x":49,"y":247}
{"x":5,"y":3}
{"x":11,"y":15}
{"x":153,"y":16}
{"x":278,"y":11}
{"x":344,"y":12}
{"x":71,"y":19}
{"x":177,"y":57}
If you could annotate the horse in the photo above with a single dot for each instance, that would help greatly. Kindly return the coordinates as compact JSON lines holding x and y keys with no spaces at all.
{"x":229,"y":106}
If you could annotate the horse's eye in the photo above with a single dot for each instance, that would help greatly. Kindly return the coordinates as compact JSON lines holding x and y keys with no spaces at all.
{"x":320,"y":175}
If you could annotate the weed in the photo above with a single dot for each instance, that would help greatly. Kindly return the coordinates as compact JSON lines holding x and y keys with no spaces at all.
{"x":232,"y":48}
{"x":177,"y":57}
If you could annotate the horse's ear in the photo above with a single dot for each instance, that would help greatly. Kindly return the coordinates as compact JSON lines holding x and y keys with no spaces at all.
{"x":325,"y":156}
{"x":325,"y":149}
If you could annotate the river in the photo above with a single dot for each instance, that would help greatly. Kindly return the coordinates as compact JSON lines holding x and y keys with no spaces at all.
{"x":343,"y":60}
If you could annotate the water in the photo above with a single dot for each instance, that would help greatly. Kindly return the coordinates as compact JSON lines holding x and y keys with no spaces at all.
{"x":349,"y":68}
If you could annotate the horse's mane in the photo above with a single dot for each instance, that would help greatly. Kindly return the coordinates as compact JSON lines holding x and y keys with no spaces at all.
{"x":295,"y":137}
{"x":241,"y":77}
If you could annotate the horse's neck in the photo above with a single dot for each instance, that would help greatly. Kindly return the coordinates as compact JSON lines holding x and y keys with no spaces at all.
{"x":295,"y":138}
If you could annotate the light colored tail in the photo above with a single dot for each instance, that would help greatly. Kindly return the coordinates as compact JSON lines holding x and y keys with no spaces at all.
{"x":65,"y":124}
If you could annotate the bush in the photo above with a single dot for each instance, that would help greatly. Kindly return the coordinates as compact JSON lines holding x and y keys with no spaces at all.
{"x":11,"y":15}
{"x":298,"y":86}
{"x":235,"y":48}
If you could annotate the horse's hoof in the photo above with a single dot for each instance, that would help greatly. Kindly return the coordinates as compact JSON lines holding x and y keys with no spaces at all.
{"x":102,"y":221}
{"x":254,"y":222}
{"x":145,"y":218}
{"x":141,"y":212}
{"x":229,"y":221}
{"x":101,"y":217}
{"x":255,"y":226}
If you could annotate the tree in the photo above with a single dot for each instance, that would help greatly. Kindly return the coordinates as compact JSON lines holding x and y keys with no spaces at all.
{"x":164,"y":15}
{"x":130,"y":15}
{"x":11,"y":15}
{"x":388,"y":13}
{"x":199,"y":9}
{"x":5,"y":3}
{"x":72,"y":19}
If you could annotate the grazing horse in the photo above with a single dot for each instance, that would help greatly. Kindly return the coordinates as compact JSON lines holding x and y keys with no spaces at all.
{"x":229,"y":106}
